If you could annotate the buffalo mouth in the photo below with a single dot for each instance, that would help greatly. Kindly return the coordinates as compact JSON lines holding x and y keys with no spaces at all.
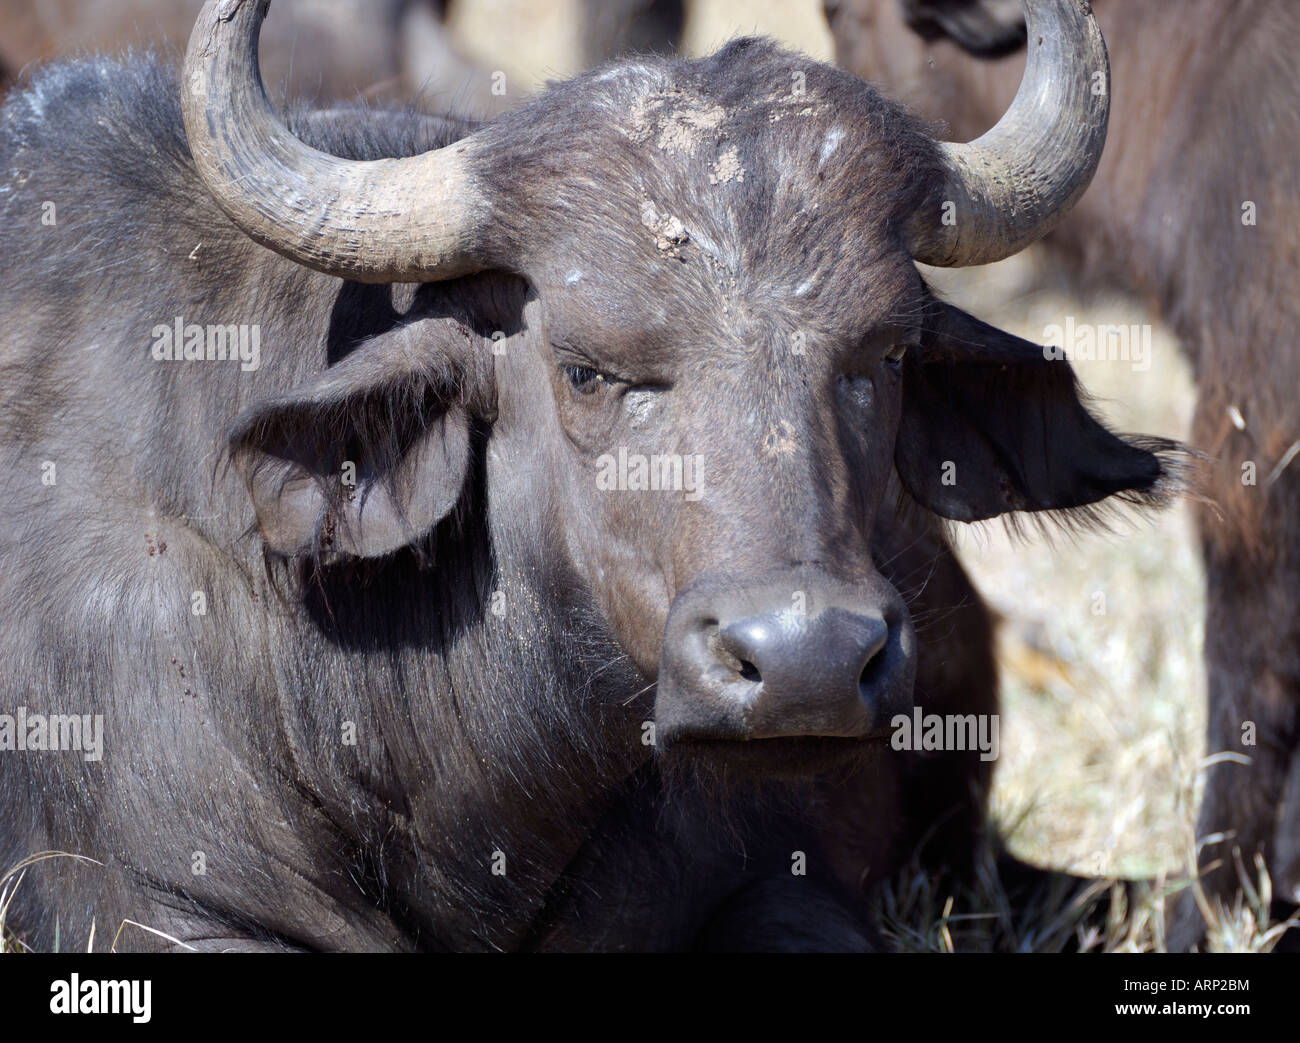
{"x":787,"y":756}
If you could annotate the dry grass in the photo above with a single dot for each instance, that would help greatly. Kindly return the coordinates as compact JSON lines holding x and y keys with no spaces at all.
{"x":9,"y":885}
{"x":8,"y":940}
{"x":920,"y":913}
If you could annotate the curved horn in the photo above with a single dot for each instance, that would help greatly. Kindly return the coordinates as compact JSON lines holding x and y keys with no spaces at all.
{"x":1012,"y":185}
{"x":391,"y":220}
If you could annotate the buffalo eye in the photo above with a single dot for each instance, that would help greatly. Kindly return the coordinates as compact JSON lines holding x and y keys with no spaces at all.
{"x":895,"y":355}
{"x":583,"y":378}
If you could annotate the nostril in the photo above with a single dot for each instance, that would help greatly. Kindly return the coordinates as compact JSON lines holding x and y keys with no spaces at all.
{"x":871,"y":671}
{"x":875,"y":638}
{"x":738,"y":647}
{"x":731,"y":653}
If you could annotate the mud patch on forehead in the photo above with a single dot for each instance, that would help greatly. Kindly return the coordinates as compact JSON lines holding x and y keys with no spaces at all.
{"x":669,"y":232}
{"x":727,"y":168}
{"x":684,"y":128}
{"x":678,"y":121}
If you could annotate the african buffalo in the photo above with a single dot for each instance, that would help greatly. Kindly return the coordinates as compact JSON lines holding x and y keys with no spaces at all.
{"x":1195,"y":204}
{"x":525,"y":535}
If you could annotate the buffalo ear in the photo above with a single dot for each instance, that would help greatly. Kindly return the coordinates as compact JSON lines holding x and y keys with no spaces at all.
{"x":990,"y":425}
{"x":367,"y":456}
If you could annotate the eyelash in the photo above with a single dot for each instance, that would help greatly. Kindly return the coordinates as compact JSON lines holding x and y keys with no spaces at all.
{"x":583,"y":378}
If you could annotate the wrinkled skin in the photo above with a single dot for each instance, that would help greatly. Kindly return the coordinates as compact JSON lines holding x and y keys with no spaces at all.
{"x":494,"y":629}
{"x":1191,"y":140}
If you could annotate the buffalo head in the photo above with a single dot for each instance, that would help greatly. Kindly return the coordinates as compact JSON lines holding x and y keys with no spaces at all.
{"x":680,"y":299}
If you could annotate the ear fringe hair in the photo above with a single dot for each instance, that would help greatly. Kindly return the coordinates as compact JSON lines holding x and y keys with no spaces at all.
{"x":1181,"y":477}
{"x":1178,"y":478}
